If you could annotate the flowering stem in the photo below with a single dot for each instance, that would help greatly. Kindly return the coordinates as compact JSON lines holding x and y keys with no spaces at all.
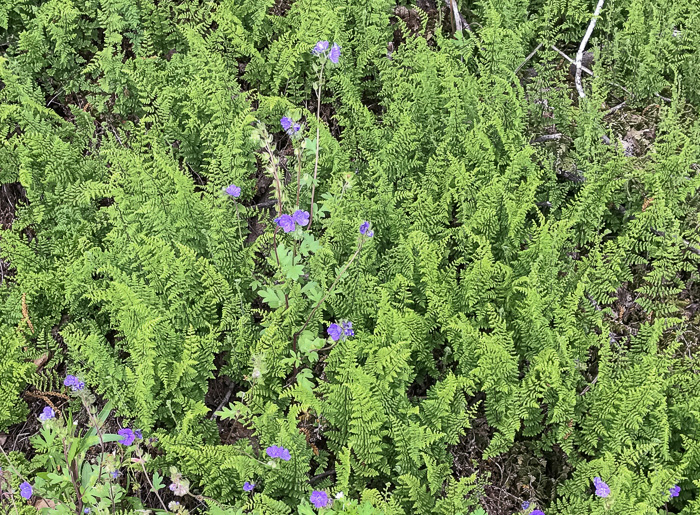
{"x":318,"y":304}
{"x":318,"y":130}
{"x":151,"y":484}
{"x":73,"y":473}
{"x":298,"y":153}
{"x":278,"y":187}
{"x":238,"y":223}
{"x":12,"y":497}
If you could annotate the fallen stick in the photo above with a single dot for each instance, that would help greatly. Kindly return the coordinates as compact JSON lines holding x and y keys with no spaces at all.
{"x":589,"y":72}
{"x":582,"y":46}
{"x":528,"y":58}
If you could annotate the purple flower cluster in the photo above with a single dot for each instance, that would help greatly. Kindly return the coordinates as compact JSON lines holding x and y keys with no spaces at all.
{"x":47,"y":414}
{"x":601,"y":487}
{"x":74,"y":383}
{"x":287,"y":222}
{"x":234,"y":191}
{"x":537,"y":512}
{"x":319,"y":499}
{"x":129,"y":435}
{"x":276,"y":451}
{"x":321,"y":49}
{"x":248,"y":487}
{"x":289,"y":125}
{"x":675,"y":491}
{"x":364,"y":229}
{"x":26,"y":490}
{"x":343,"y":330}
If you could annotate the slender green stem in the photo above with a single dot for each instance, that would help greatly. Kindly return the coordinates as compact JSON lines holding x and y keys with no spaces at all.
{"x":238,"y":222}
{"x":318,"y":133}
{"x":140,"y":460}
{"x":298,"y":153}
{"x":325,"y":295}
{"x":12,"y":499}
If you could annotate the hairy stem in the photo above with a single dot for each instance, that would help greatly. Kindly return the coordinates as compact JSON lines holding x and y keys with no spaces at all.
{"x":143,"y":467}
{"x":325,"y":295}
{"x":318,"y":134}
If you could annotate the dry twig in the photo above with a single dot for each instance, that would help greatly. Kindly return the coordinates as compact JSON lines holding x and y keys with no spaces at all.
{"x":584,"y":42}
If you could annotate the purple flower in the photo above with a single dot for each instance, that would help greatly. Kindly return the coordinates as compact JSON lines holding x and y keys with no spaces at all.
{"x":537,"y":512}
{"x":234,"y":191}
{"x":675,"y":491}
{"x":320,"y":47}
{"x":347,"y":328}
{"x":289,"y":126}
{"x":128,"y":436}
{"x":319,"y":498}
{"x":286,"y":222}
{"x":364,"y":229}
{"x":301,"y":217}
{"x":137,"y":434}
{"x":172,"y":487}
{"x":47,"y":413}
{"x":276,"y":451}
{"x":335,"y":332}
{"x":86,"y":511}
{"x":115,"y":474}
{"x":73,"y":382}
{"x":248,"y":487}
{"x":334,"y":54}
{"x":601,"y":487}
{"x":25,"y":490}
{"x":526,"y":505}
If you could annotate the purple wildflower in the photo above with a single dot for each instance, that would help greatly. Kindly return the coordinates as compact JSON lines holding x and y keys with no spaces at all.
{"x":320,"y":47}
{"x":172,"y":487}
{"x":347,"y":328}
{"x":275,"y":451}
{"x":86,"y":511}
{"x":675,"y":491}
{"x":74,"y":383}
{"x":286,"y":222}
{"x":301,"y":217}
{"x":115,"y":474}
{"x":234,"y":191}
{"x":47,"y":413}
{"x":128,"y":436}
{"x":335,"y":332}
{"x":138,"y":434}
{"x":334,"y":54}
{"x":537,"y":512}
{"x":286,"y":123}
{"x":601,"y":487}
{"x":297,"y":127}
{"x":364,"y":229}
{"x":25,"y":490}
{"x":526,"y":505}
{"x":319,"y":498}
{"x":248,"y":487}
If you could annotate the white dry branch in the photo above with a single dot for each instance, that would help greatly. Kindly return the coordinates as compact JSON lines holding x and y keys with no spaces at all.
{"x":584,"y":42}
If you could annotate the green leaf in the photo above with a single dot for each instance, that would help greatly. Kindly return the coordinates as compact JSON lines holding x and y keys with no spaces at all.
{"x":272,"y":298}
{"x":304,"y":379}
{"x":157,"y":482}
{"x":294,"y":272}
